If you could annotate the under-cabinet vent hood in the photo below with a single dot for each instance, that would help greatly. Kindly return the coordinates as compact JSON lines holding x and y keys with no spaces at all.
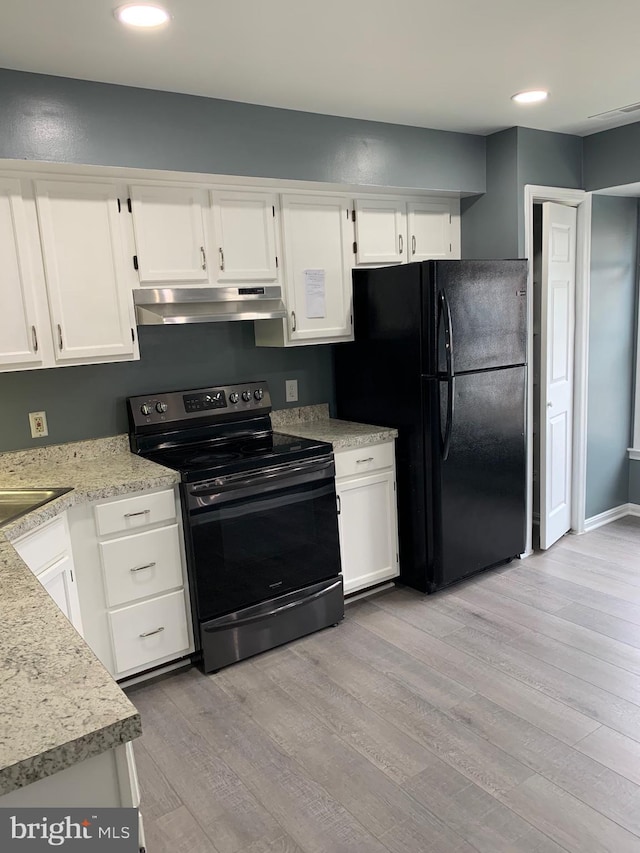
{"x":172,"y":305}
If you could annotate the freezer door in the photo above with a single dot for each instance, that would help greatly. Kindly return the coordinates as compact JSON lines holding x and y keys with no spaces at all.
{"x":479,"y":479}
{"x":487,"y":305}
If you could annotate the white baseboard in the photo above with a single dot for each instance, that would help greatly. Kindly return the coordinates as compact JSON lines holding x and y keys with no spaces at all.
{"x":610,"y":515}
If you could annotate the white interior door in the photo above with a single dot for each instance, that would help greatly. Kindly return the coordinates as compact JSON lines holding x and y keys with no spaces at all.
{"x":556,"y":373}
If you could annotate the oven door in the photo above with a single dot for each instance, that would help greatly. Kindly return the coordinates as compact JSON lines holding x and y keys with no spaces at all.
{"x":259,"y":535}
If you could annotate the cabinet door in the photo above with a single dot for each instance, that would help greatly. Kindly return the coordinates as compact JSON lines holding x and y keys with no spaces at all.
{"x":19,"y":344}
{"x":59,"y":582}
{"x":245,"y":236}
{"x":90,"y":304}
{"x":317,"y":244}
{"x":368,"y":535}
{"x":430,"y":230}
{"x":169,"y":228}
{"x":380,"y":231}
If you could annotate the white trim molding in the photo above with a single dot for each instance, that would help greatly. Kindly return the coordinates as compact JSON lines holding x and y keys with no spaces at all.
{"x":610,"y":515}
{"x":634,"y":452}
{"x":582,"y":201}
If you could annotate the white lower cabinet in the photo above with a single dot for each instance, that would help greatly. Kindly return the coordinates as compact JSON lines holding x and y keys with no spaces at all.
{"x":367,"y":516}
{"x":132,"y":581}
{"x":47,"y":552}
{"x":149,"y":631}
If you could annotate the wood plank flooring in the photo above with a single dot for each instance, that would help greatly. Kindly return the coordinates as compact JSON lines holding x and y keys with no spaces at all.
{"x":499,"y":716}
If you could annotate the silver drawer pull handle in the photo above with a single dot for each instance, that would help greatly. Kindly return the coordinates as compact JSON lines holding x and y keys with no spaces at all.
{"x":362,"y":461}
{"x":141,"y":568}
{"x":151,"y":633}
{"x":132,"y":514}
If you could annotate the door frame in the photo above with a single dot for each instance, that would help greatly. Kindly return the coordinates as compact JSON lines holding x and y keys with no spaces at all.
{"x":581,"y":200}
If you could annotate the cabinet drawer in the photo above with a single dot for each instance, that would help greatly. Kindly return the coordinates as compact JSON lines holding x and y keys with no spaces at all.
{"x":44,"y":546}
{"x":150,"y":631}
{"x":141,"y":565}
{"x":129,"y":513}
{"x":364,"y":459}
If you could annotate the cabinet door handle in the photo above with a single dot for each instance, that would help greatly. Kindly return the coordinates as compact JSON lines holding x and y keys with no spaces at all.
{"x":221,"y":252}
{"x":400,"y":243}
{"x":204,"y":257}
{"x":140,"y":568}
{"x":34,"y":338}
{"x":293,"y":321}
{"x":339,"y":504}
{"x":413,"y":244}
{"x":151,"y":633}
{"x":362,"y":461}
{"x":60,"y":336}
{"x":132,"y":514}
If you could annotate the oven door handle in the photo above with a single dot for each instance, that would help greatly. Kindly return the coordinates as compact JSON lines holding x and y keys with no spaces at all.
{"x":223,"y":623}
{"x":300,"y":472}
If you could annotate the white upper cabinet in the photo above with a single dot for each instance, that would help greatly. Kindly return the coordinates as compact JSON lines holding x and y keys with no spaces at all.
{"x":431,"y":230}
{"x":380,"y":231}
{"x":170,"y":234}
{"x":245,"y":234}
{"x":317,"y":234}
{"x":83,"y":252}
{"x":397,"y":231}
{"x":20,"y":341}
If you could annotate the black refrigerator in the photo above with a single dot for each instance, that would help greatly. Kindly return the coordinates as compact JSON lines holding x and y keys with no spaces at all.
{"x":440,"y":354}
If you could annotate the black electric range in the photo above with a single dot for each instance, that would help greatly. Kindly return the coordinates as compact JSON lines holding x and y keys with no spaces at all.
{"x":259,"y":512}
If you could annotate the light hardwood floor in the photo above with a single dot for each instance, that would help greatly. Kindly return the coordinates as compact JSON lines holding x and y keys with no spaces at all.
{"x":502,"y":715}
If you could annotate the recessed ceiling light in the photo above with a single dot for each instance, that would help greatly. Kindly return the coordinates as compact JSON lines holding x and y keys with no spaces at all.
{"x":142,"y":15}
{"x":531,"y":97}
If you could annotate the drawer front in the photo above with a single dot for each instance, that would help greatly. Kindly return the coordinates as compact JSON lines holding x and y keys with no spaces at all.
{"x":150,"y":631}
{"x":45,"y":545}
{"x":130,"y":513}
{"x":141,"y":565}
{"x":361,"y":460}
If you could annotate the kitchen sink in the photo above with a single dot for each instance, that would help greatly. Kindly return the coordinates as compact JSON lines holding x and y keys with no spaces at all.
{"x":17,"y":502}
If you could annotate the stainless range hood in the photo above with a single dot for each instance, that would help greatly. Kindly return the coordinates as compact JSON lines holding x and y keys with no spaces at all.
{"x":176,"y":305}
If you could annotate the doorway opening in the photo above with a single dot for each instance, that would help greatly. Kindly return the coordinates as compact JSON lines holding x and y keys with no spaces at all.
{"x":557,"y":357}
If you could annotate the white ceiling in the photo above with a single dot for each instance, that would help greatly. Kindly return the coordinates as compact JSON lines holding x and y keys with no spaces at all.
{"x":451,"y":65}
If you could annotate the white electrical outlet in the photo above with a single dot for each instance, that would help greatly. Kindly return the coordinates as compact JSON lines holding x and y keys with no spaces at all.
{"x":291,"y":390}
{"x":38,"y":424}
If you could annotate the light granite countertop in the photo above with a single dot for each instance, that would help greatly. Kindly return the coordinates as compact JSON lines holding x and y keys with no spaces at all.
{"x":58,"y":704}
{"x":315,"y":422}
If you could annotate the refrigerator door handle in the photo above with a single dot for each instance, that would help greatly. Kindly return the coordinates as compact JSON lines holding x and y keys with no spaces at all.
{"x":445,"y":311}
{"x":445,"y":443}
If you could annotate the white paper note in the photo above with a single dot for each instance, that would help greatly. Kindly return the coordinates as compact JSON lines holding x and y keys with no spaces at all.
{"x":314,"y":293}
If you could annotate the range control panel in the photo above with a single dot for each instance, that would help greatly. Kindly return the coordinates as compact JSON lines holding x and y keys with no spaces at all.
{"x":244,"y":399}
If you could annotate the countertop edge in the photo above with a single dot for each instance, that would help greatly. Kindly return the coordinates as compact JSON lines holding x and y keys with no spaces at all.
{"x":126,"y":725}
{"x":63,"y":756}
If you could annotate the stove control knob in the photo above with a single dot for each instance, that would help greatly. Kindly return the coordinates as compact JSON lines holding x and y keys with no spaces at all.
{"x":246,"y":396}
{"x":234,"y":397}
{"x":161,"y":408}
{"x":145,"y":408}
{"x":258,"y":394}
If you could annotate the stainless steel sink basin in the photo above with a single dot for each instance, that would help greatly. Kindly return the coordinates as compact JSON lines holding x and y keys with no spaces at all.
{"x":17,"y":502}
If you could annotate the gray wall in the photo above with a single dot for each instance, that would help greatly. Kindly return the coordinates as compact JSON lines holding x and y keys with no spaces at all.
{"x":489,"y":224}
{"x":74,"y":121}
{"x":89,"y":401}
{"x":493,"y":225}
{"x":611,"y":351}
{"x":545,"y":159}
{"x":612,"y":157}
